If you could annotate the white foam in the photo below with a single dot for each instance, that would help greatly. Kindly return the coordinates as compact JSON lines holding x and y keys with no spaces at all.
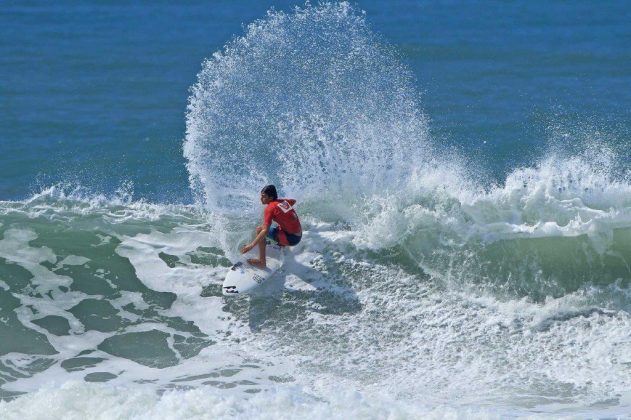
{"x":143,"y":251}
{"x":15,"y":248}
{"x":73,"y":260}
{"x":79,"y":401}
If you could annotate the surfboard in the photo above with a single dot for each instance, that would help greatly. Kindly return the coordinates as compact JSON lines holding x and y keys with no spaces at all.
{"x":243,"y":278}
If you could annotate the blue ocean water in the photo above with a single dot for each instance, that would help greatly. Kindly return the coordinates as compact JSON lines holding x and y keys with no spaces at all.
{"x":96,"y":93}
{"x":462,"y":170}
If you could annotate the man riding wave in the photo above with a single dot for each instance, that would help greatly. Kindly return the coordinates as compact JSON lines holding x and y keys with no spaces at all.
{"x":287,"y":231}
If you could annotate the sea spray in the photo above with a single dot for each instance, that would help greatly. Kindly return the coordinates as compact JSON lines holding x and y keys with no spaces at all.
{"x":311,"y":100}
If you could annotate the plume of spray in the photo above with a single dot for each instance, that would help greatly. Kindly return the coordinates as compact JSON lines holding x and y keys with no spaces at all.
{"x":310,"y":100}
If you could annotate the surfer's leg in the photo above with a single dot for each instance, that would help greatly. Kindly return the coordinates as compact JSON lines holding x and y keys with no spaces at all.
{"x":261,"y":261}
{"x":262,"y":252}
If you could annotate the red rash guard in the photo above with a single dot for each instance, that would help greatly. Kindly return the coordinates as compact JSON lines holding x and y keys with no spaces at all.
{"x":282,"y":212}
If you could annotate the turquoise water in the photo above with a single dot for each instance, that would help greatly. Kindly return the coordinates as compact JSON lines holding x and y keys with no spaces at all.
{"x":461,"y":172}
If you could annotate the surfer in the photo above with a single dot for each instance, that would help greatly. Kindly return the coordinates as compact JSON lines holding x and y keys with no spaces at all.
{"x":287,"y":232}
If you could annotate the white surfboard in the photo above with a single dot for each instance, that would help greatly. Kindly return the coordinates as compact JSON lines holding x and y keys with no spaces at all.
{"x":244,"y":278}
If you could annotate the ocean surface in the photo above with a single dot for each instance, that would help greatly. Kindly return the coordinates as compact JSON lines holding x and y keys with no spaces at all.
{"x":462,"y":171}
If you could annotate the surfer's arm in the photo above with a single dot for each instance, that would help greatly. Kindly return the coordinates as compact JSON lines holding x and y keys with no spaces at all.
{"x":262,"y":232}
{"x":261,"y":235}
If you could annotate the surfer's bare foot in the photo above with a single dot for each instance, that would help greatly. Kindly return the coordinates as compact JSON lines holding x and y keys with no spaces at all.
{"x":256,"y":262}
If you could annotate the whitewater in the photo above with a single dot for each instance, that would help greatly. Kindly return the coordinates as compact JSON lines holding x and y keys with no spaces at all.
{"x":421,"y":288}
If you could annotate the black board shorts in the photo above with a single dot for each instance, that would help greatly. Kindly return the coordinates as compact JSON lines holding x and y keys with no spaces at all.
{"x":276,"y":234}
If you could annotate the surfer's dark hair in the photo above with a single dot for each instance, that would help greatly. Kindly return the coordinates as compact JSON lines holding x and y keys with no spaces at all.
{"x":270,"y":191}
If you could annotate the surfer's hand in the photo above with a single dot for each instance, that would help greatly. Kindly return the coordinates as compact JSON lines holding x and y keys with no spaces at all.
{"x":246,"y":248}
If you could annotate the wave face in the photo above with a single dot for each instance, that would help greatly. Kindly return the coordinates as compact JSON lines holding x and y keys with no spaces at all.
{"x":419,"y":290}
